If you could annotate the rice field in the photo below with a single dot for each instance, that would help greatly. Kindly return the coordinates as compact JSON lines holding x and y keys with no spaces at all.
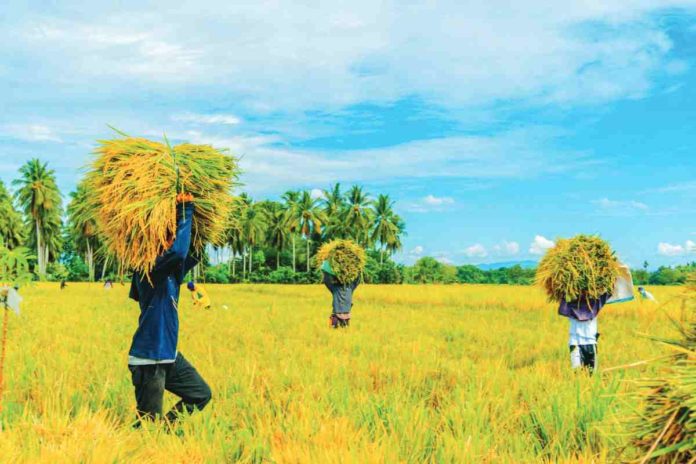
{"x":465,"y":374}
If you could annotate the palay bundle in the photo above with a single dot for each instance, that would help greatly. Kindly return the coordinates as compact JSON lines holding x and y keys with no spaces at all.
{"x":346,"y":258}
{"x":664,"y":430}
{"x":133,"y":184}
{"x":581,"y":267}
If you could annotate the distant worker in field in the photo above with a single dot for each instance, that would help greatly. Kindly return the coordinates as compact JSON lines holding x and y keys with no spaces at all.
{"x":108,"y":285}
{"x":342,"y":263}
{"x":583,"y":275}
{"x":200,"y":297}
{"x":646,"y":295}
{"x":154,"y":361}
{"x":63,"y":284}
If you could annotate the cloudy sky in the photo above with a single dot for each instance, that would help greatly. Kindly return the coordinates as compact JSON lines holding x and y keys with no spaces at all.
{"x":496,"y":126}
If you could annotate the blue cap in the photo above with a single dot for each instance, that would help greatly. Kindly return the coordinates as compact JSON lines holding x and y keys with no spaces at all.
{"x":191,"y":286}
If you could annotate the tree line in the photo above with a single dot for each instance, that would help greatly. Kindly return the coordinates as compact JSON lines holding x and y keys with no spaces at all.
{"x":429,"y":270}
{"x":265,"y":240}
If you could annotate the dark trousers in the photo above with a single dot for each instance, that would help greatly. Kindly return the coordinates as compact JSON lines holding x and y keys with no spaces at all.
{"x":341,"y":320}
{"x":584,"y":356}
{"x":180,"y":377}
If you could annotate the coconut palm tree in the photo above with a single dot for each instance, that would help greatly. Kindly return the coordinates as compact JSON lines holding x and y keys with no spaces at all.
{"x":11,"y":226}
{"x":277,"y":228}
{"x":83,"y":226}
{"x":39,"y":197}
{"x":394,"y":244}
{"x":254,"y":223}
{"x":333,"y":201}
{"x":334,"y":204}
{"x":357,"y":215}
{"x":384,"y":228}
{"x":233,"y":232}
{"x":311,"y":219}
{"x":290,"y":199}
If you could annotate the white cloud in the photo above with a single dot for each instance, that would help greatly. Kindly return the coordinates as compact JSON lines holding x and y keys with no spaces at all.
{"x":104,"y":51}
{"x":365,"y":50}
{"x":270,"y":167}
{"x":540,"y":244}
{"x":432,"y":200}
{"x":620,"y":208}
{"x":316,"y":193}
{"x":667,"y":249}
{"x":417,"y":251}
{"x":690,"y":246}
{"x":476,"y":251}
{"x":680,"y":187}
{"x":225,"y":119}
{"x":30,"y":132}
{"x":445,"y":260}
{"x":430,"y":203}
{"x":507,"y":248}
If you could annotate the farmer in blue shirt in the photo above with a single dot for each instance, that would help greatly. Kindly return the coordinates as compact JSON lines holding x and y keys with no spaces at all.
{"x":154,"y":361}
{"x":342,"y":297}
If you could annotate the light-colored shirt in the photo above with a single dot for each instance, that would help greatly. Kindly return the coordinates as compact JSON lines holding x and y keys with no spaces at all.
{"x":646,"y":295}
{"x":583,"y":332}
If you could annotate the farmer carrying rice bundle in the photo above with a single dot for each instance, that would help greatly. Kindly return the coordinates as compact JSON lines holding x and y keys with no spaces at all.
{"x":342,"y":263}
{"x":199,"y":295}
{"x":582,"y":274}
{"x":156,"y":208}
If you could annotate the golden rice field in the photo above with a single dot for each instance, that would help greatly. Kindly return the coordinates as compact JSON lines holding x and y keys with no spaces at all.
{"x":465,"y":374}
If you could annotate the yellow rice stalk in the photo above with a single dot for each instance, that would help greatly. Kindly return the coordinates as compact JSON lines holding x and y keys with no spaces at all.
{"x":133,"y":185}
{"x":664,"y":430}
{"x":580,"y":267}
{"x":347,"y":259}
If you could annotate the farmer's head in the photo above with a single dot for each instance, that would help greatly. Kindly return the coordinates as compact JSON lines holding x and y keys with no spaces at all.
{"x":191,"y":286}
{"x":641,"y":289}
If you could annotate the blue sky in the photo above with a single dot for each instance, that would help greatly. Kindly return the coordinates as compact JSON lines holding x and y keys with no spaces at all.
{"x":496,"y":127}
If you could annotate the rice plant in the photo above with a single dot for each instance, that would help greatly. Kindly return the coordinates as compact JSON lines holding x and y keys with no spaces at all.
{"x":466,"y":374}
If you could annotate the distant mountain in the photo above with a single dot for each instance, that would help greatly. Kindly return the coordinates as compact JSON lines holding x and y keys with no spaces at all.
{"x":528,"y":264}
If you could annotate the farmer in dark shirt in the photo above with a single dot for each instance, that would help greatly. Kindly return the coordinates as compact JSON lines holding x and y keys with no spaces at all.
{"x":342,"y":295}
{"x":154,"y":361}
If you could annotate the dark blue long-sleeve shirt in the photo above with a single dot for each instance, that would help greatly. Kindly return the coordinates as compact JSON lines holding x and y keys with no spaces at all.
{"x":342,"y":293}
{"x":158,"y":326}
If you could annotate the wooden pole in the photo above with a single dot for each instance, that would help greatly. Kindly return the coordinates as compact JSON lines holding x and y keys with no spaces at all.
{"x":2,"y":353}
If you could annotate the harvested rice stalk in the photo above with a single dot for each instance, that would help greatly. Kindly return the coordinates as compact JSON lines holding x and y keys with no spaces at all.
{"x":664,"y":431}
{"x":346,"y":258}
{"x":133,"y":185}
{"x":580,"y":267}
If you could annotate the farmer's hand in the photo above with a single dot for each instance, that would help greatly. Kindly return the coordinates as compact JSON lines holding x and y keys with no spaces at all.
{"x":184,"y":198}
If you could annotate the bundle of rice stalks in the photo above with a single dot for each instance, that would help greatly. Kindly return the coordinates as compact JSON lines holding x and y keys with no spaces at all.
{"x":665,"y":430}
{"x":581,"y":267}
{"x":346,"y":258}
{"x":133,"y":185}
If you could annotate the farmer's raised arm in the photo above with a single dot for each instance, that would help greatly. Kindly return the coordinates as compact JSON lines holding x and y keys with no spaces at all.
{"x":191,"y":262}
{"x":329,"y":281}
{"x":177,"y":253}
